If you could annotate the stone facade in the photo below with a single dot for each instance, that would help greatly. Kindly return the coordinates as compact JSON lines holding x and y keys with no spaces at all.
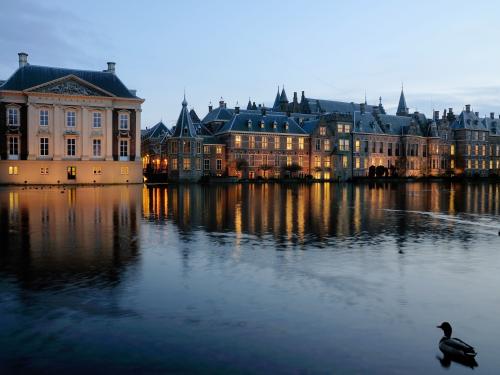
{"x":64,"y":126}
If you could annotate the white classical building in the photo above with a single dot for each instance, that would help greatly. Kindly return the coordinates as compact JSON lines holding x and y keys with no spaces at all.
{"x":66,"y":126}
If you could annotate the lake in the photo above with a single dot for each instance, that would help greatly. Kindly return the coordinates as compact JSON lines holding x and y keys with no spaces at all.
{"x":258,"y":278}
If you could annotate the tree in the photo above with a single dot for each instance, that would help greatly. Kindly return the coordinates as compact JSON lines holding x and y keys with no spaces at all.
{"x":241,"y":165}
{"x":380,"y":171}
{"x":371,"y":171}
{"x":293,"y":168}
{"x":264,"y":168}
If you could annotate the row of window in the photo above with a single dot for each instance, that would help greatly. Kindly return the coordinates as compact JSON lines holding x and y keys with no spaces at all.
{"x":186,"y":164}
{"x":13,"y":119}
{"x":71,"y":171}
{"x":264,"y":141}
{"x":474,"y":164}
{"x":13,"y":147}
{"x":483,"y":149}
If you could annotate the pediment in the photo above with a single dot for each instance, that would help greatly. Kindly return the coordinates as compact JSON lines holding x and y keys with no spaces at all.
{"x":70,"y":85}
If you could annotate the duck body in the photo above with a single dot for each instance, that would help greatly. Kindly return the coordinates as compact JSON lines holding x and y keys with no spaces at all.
{"x":456,"y":348}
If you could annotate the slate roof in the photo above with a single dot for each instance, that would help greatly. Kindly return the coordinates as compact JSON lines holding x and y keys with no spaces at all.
{"x":400,"y":125}
{"x":210,"y":140}
{"x":218,"y":114}
{"x":469,"y":120}
{"x":402,"y":107}
{"x":276,"y":104}
{"x":239,"y":123}
{"x":321,"y":105}
{"x":155,"y":131}
{"x":493,"y":125}
{"x":310,"y":126}
{"x":366,"y":123}
{"x":194,"y":116}
{"x":33,"y":75}
{"x":184,"y":126}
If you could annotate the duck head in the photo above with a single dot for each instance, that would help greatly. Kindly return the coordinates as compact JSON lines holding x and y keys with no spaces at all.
{"x":446,"y":327}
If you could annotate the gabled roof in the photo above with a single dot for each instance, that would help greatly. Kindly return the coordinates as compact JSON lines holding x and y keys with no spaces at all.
{"x":271,"y":123}
{"x":493,"y":125}
{"x":184,"y":126}
{"x":30,"y":76}
{"x":469,"y":120}
{"x":194,"y":116}
{"x":156,"y":130}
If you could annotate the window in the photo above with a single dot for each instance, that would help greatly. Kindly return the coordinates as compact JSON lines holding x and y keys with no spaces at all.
{"x":326,"y":145}
{"x":44,"y":170}
{"x":326,"y":161}
{"x":123,"y":148}
{"x":96,"y":120}
{"x":237,"y":141}
{"x":344,"y":161}
{"x":476,"y":150}
{"x":13,"y":169}
{"x":251,"y":161}
{"x":71,"y":119}
{"x":322,"y":130}
{"x":206,"y":164}
{"x":124,"y":170}
{"x":251,"y":141}
{"x":175,"y":147}
{"x":123,"y":121}
{"x":483,"y":164}
{"x":264,"y":159}
{"x":206,"y":149}
{"x":347,"y":128}
{"x":343,"y":144}
{"x":44,"y":147}
{"x":491,"y":164}
{"x":301,"y":143}
{"x":476,"y":164}
{"x":357,"y":162}
{"x":186,"y":164}
{"x":186,"y":147}
{"x":452,"y":150}
{"x":218,"y":150}
{"x":276,"y":143}
{"x":389,"y":149}
{"x":218,"y":164}
{"x":198,"y":164}
{"x":357,"y":145}
{"x":289,"y":143}
{"x":318,"y":144}
{"x":174,"y":164}
{"x":484,"y":150}
{"x":288,"y":161}
{"x":469,"y":164}
{"x":340,"y":128}
{"x":96,"y":148}
{"x":44,"y":117}
{"x":276,"y":161}
{"x":13,"y":143}
{"x":13,"y":117}
{"x":468,"y":149}
{"x":264,"y":142}
{"x":381,"y":149}
{"x":70,"y":147}
{"x":317,"y":162}
{"x":97,"y":170}
{"x":452,"y":164}
{"x":301,"y":160}
{"x":198,"y":147}
{"x":71,"y":173}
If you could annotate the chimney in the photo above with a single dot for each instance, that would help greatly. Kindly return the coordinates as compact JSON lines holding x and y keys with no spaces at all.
{"x":436,"y":115}
{"x":111,"y":67}
{"x":221,"y":103}
{"x":450,"y":111}
{"x":237,"y":109}
{"x":444,"y":114}
{"x":210,"y":107}
{"x":477,"y":114}
{"x":263,"y":110}
{"x":23,"y":59}
{"x":362,"y":107}
{"x":467,"y":108}
{"x":492,"y":115}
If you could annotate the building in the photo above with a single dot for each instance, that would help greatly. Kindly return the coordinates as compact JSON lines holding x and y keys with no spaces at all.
{"x":67,"y":126}
{"x":330,"y":140}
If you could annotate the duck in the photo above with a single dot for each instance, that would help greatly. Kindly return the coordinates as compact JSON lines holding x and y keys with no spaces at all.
{"x":454,"y":347}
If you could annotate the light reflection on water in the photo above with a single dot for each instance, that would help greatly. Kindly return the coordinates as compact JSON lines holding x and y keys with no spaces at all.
{"x":247,"y":278}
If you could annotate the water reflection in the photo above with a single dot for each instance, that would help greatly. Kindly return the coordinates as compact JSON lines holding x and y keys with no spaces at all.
{"x":305,"y":215}
{"x":53,"y":236}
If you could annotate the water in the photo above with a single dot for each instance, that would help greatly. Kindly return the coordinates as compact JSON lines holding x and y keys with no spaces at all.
{"x":274,"y":279}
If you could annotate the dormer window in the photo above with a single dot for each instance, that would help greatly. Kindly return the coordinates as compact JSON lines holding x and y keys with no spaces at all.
{"x":13,"y":117}
{"x":123,"y":121}
{"x":275,"y":125}
{"x":286,"y":125}
{"x":249,"y":123}
{"x":262,"y":124}
{"x":71,"y":119}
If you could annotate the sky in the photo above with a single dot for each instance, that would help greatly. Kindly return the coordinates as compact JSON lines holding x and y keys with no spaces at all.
{"x":444,"y":52}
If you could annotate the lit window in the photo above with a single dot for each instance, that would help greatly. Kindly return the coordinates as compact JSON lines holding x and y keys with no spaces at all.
{"x":97,"y":170}
{"x":452,"y":150}
{"x":198,"y":164}
{"x":123,"y":121}
{"x":123,"y":148}
{"x":264,"y":142}
{"x":326,"y":145}
{"x":326,"y":162}
{"x":357,"y":163}
{"x":322,"y":130}
{"x":288,"y":143}
{"x":358,"y":145}
{"x":174,"y":164}
{"x":276,"y":143}
{"x":71,"y":173}
{"x":452,"y":164}
{"x":44,"y":170}
{"x":124,"y":170}
{"x":343,"y":144}
{"x":301,"y":160}
{"x":186,"y":165}
{"x":237,"y":141}
{"x":288,"y":161}
{"x":251,"y":141}
{"x":44,"y":146}
{"x":70,"y":119}
{"x":206,"y":149}
{"x":301,"y":143}
{"x":340,"y":128}
{"x":97,"y":120}
{"x":484,"y":150}
{"x":70,"y":147}
{"x":469,"y":164}
{"x":96,"y":148}
{"x":317,"y":162}
{"x":344,"y":161}
{"x":44,"y":117}
{"x":476,"y":150}
{"x":13,"y":117}
{"x":13,"y":170}
{"x":218,"y":150}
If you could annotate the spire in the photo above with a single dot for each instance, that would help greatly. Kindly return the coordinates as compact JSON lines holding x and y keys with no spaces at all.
{"x":283,"y":98}
{"x":249,"y":105}
{"x":381,"y":108}
{"x":184,"y":126}
{"x":365,"y":99}
{"x":402,"y":108}
{"x":276,"y":104}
